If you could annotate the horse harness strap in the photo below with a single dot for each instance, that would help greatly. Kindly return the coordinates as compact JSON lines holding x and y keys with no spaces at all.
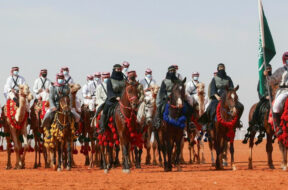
{"x":15,"y":82}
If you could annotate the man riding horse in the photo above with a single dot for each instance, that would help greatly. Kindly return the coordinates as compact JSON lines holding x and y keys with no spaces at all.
{"x":57,"y":91}
{"x":164,"y":93}
{"x":280,"y":76}
{"x":217,"y":87}
{"x":115,"y":86}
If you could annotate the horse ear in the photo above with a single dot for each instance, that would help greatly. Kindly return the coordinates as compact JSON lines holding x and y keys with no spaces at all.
{"x":184,"y":80}
{"x":237,"y":88}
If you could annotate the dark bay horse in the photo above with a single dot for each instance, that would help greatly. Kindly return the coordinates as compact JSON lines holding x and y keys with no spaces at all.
{"x":225,"y":126}
{"x":62,"y":132}
{"x":126,"y":124}
{"x":171,"y":129}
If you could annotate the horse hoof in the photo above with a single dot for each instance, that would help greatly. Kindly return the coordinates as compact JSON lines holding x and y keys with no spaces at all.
{"x":225,"y":164}
{"x":284,"y":168}
{"x":179,"y":169}
{"x":271,"y":166}
{"x":213,"y":164}
{"x":154,"y":163}
{"x":106,"y":171}
{"x":126,"y":171}
{"x":35,"y":166}
{"x":58,"y":169}
{"x":68,"y":169}
{"x":234,"y":168}
{"x":203,"y":161}
{"x":9,"y":167}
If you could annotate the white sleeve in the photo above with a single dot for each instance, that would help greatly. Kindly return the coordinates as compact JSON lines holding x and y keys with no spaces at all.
{"x":84,"y":90}
{"x":35,"y":87}
{"x":189,"y":89}
{"x":7,"y":86}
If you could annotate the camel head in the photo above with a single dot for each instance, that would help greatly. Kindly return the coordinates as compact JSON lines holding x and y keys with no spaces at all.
{"x":24,"y":90}
{"x":74,"y":88}
{"x":154,"y":89}
{"x":200,"y":88}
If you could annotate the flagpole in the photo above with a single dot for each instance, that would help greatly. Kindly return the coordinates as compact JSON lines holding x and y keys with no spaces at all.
{"x":264,"y":58}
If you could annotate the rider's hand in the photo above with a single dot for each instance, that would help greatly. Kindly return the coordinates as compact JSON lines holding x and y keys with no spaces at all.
{"x":47,"y":90}
{"x":217,"y":97}
{"x":13,"y":91}
{"x":265,"y":73}
{"x":40,"y":90}
{"x":118,"y":98}
{"x":88,"y":97}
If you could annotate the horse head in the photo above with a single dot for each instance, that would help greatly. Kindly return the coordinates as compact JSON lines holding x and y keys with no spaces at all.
{"x":149,"y":107}
{"x":178,"y":94}
{"x":131,"y":94}
{"x":230,"y":99}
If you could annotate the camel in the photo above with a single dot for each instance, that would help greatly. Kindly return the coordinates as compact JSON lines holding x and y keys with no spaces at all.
{"x":15,"y":123}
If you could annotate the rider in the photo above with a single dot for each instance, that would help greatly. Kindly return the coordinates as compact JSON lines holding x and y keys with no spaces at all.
{"x":125,"y":69}
{"x":58,"y":90}
{"x":41,"y":84}
{"x":68,"y":79}
{"x":178,"y":75}
{"x":88,"y":92}
{"x":101,"y":90}
{"x":217,"y":87}
{"x":191,"y":86}
{"x":97,"y":79}
{"x":164,"y":93}
{"x":280,"y":74}
{"x":11,"y":87}
{"x":148,"y":80}
{"x":115,"y":86}
{"x":132,"y":75}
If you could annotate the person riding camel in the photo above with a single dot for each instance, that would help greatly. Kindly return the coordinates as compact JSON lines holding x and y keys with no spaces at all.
{"x":125,"y":69}
{"x":115,"y":86}
{"x":11,"y":87}
{"x":217,"y":87}
{"x":41,"y":84}
{"x":282,"y":92}
{"x":164,"y":93}
{"x":97,"y":79}
{"x":88,"y":92}
{"x":68,"y":79}
{"x":101,"y":90}
{"x":58,"y":90}
{"x":132,"y":75}
{"x":148,"y":80}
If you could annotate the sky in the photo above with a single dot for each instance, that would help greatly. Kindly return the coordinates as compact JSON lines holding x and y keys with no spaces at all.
{"x":93,"y":35}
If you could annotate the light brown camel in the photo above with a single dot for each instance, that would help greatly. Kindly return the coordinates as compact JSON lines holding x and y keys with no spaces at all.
{"x":16,"y":125}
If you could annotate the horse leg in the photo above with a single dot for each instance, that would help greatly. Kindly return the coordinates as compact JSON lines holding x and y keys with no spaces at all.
{"x":170,"y":146}
{"x":39,"y":153}
{"x":251,"y":144}
{"x":201,"y":147}
{"x":125,"y":153}
{"x":232,"y":156}
{"x":92,"y":152}
{"x":86,"y":145}
{"x":154,"y":147}
{"x":269,"y":150}
{"x":36,"y":151}
{"x":178,"y":153}
{"x":224,"y":153}
{"x":181,"y":158}
{"x":190,"y":152}
{"x":117,"y":162}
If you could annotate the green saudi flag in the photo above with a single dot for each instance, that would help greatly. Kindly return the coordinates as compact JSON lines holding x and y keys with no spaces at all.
{"x":266,"y":48}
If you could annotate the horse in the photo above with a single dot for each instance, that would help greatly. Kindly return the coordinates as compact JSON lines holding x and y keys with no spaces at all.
{"x":62,"y":132}
{"x":87,"y":130}
{"x":15,"y":124}
{"x":126,"y":125}
{"x":172,"y":126}
{"x":225,"y":126}
{"x":265,"y":127}
{"x":37,"y":113}
{"x":145,"y":116}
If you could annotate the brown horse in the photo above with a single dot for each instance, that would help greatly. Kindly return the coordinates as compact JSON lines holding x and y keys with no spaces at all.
{"x":265,"y":128}
{"x":126,"y":124}
{"x":62,"y":132}
{"x":225,"y":126}
{"x":172,"y":126}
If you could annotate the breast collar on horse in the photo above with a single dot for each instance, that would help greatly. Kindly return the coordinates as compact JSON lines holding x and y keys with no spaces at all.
{"x":15,"y":82}
{"x":122,"y":107}
{"x":43,"y":83}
